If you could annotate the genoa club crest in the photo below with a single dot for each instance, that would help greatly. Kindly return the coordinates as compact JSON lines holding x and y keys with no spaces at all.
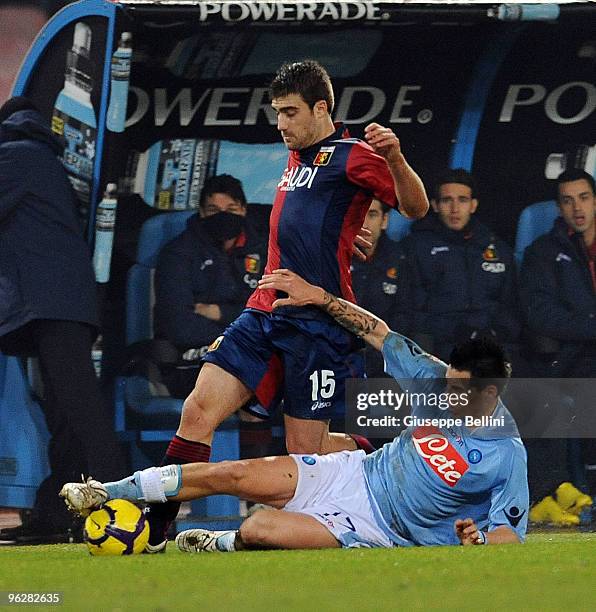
{"x":490,"y":253}
{"x":252,"y":263}
{"x":323,"y":156}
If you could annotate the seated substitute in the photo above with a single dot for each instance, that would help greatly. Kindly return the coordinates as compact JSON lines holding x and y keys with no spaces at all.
{"x":377,"y":280}
{"x":558,"y":280}
{"x":205,"y":276}
{"x":430,"y":486}
{"x":462,"y":275}
{"x":558,"y":290}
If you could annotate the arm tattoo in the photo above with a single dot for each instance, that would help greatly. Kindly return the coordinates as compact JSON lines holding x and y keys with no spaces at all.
{"x":349,"y":315}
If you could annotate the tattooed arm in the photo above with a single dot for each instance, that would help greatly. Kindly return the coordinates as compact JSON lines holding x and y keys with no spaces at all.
{"x":301,"y":293}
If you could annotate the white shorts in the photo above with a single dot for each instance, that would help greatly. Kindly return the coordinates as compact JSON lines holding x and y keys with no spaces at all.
{"x":331,"y":489}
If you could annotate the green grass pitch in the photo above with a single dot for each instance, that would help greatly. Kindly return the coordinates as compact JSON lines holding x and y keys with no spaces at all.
{"x":552,"y":571}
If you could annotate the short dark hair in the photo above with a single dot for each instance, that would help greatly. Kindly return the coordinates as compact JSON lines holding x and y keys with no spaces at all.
{"x":575,"y":174}
{"x":308,"y":79}
{"x":485,"y":360}
{"x":457,"y":175}
{"x":223,"y":183}
{"x":385,"y":208}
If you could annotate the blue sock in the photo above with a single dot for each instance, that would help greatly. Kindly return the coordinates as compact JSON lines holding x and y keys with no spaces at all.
{"x":128,"y":488}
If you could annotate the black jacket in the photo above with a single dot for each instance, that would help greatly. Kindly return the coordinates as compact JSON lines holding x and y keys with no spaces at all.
{"x":379,"y":288}
{"x":45,"y":264}
{"x":557,"y":292}
{"x":461,"y":281}
{"x":192,"y":269}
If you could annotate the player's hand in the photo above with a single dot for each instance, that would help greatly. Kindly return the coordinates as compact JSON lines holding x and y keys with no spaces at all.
{"x":300,"y":292}
{"x":361,"y":242}
{"x":384,"y":142}
{"x":467,"y":532}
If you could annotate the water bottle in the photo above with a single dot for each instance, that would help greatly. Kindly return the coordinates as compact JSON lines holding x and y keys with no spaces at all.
{"x":74,"y":117}
{"x":525,"y":12}
{"x":97,"y":355}
{"x":105,"y":221}
{"x":120,"y":74}
{"x":171,"y":173}
{"x":582,"y":157}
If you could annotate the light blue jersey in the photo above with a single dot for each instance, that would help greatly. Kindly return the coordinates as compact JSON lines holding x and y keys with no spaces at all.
{"x":429,"y":476}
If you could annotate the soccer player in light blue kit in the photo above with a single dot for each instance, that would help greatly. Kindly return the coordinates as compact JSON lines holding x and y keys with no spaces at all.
{"x":432,"y":485}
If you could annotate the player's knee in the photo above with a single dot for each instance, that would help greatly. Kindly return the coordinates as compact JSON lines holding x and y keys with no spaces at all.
{"x":197,"y":416}
{"x":257,"y":529}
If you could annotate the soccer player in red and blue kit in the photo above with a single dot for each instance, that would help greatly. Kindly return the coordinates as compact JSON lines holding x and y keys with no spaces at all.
{"x":299,"y":355}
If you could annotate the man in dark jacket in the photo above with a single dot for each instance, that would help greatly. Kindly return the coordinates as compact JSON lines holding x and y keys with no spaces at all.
{"x":48,"y":308}
{"x":558,"y":280}
{"x":377,"y":281}
{"x":558,"y":290}
{"x":460,"y":273}
{"x":205,"y":275}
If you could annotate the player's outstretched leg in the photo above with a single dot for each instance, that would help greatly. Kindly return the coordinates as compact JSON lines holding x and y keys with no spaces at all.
{"x":271,"y":480}
{"x":266,"y":529}
{"x":150,"y":485}
{"x":216,"y":396}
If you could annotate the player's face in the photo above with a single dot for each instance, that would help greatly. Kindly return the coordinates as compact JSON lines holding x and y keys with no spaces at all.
{"x":577,"y":204}
{"x":455,"y":205}
{"x":222,"y":202}
{"x":375,"y":221}
{"x":298,"y":124}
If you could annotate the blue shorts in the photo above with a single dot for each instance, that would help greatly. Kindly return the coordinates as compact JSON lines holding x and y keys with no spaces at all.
{"x":303,"y":362}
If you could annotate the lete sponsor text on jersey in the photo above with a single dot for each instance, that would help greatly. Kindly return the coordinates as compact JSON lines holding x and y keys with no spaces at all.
{"x":434,"y":447}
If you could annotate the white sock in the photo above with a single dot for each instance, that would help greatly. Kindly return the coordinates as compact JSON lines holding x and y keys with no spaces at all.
{"x":171,"y":479}
{"x":157,"y":484}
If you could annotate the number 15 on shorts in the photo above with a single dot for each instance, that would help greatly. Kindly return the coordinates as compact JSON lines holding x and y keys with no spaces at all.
{"x":322,"y":384}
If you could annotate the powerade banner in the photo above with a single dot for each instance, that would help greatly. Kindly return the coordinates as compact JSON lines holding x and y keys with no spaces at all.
{"x":513,"y":101}
{"x":211,"y":84}
{"x":500,"y":99}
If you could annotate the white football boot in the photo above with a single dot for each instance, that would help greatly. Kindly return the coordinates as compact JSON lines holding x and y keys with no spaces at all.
{"x":82,"y":498}
{"x":199,"y":540}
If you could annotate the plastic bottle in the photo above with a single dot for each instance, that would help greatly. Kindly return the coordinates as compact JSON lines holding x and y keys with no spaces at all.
{"x":105,"y":222}
{"x":525,"y":12}
{"x":171,"y":173}
{"x":120,"y":74}
{"x":582,"y":157}
{"x":74,"y":116}
{"x":97,"y":355}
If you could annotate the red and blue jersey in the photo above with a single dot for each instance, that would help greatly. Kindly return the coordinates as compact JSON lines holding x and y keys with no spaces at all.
{"x":320,"y":205}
